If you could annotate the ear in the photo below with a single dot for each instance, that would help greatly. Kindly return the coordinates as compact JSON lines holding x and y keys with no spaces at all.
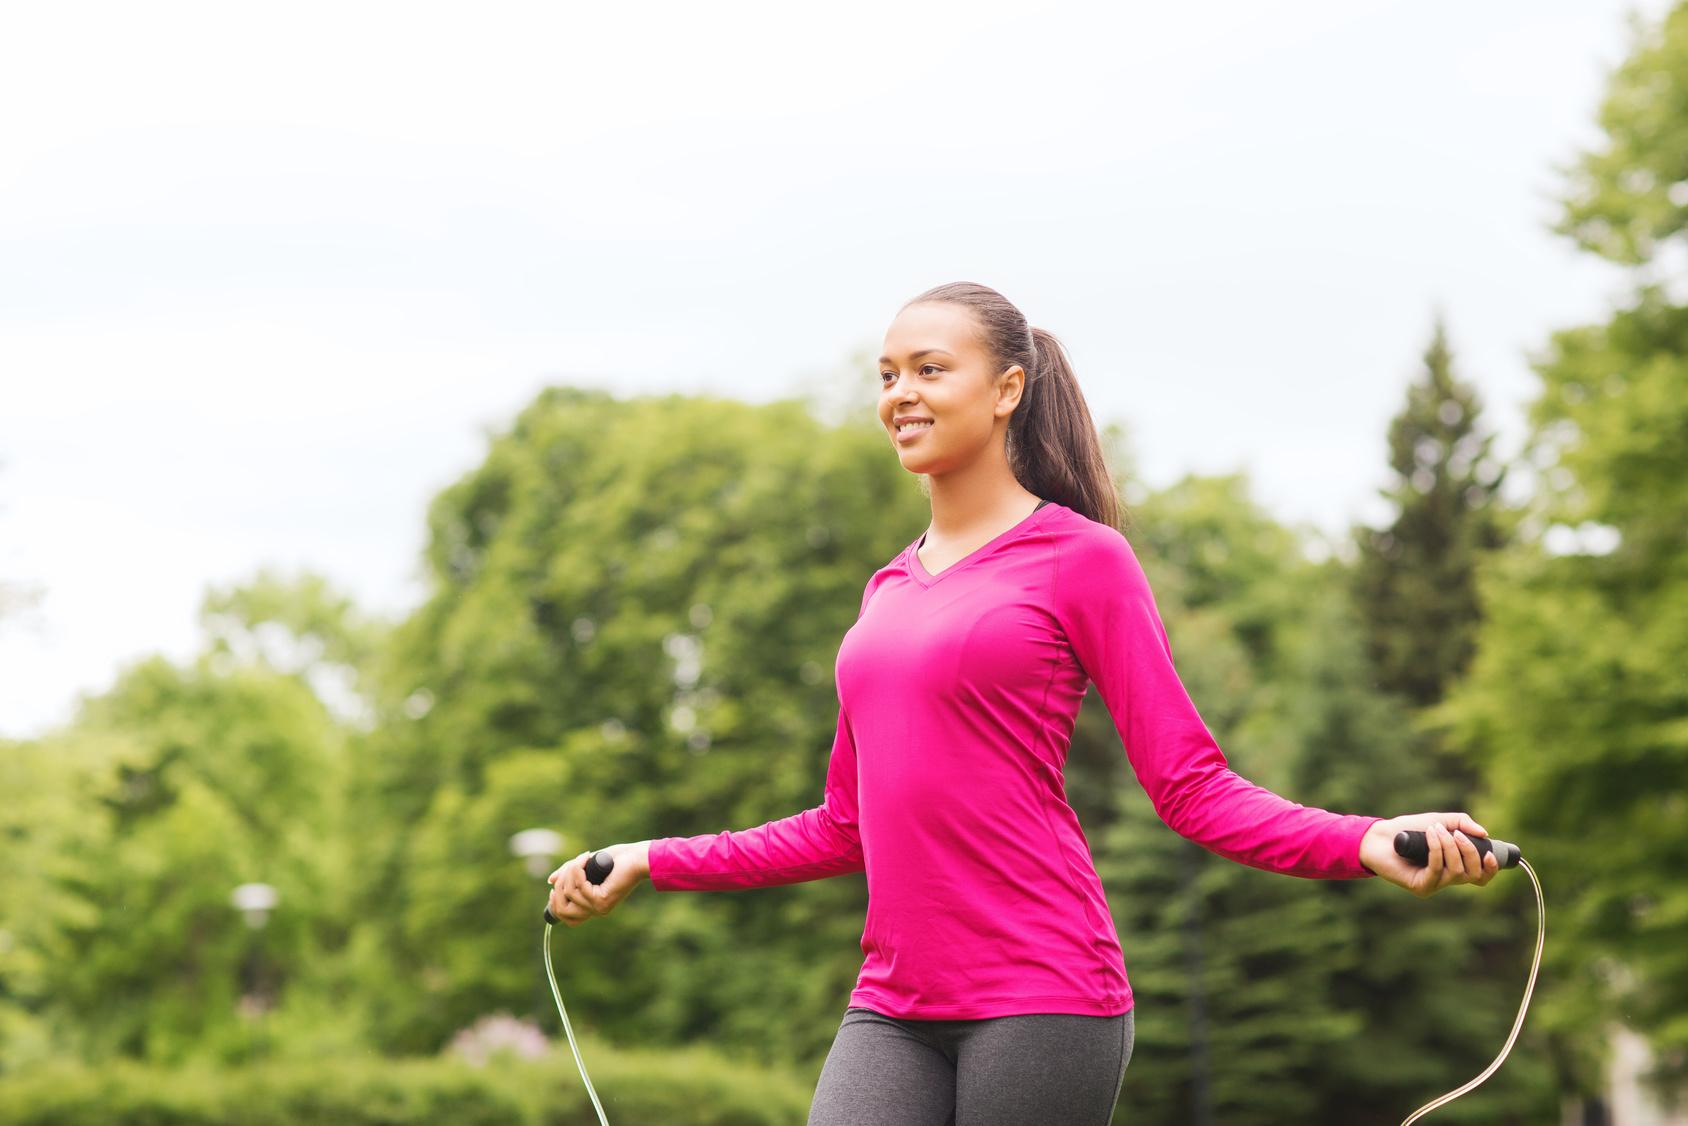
{"x":1009,"y":387}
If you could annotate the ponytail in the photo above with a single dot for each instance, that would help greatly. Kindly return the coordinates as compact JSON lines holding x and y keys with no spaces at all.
{"x":1052,"y":446}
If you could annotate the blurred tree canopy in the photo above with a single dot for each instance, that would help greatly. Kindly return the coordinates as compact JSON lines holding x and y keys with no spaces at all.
{"x":636,"y":607}
{"x":1576,"y":705}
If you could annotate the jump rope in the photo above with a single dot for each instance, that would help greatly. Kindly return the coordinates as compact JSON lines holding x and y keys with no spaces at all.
{"x":1411,"y":845}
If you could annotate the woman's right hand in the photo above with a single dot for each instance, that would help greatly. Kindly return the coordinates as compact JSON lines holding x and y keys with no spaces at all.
{"x":573,"y":900}
{"x":1452,"y":858}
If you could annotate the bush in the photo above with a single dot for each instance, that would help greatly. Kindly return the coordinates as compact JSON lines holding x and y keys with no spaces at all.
{"x":686,"y":1088}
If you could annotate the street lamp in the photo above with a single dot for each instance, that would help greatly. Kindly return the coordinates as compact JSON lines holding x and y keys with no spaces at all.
{"x":255,"y":902}
{"x":537,"y":847}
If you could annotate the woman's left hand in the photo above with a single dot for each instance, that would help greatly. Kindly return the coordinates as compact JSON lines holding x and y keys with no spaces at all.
{"x":1453,"y":858}
{"x":573,"y":900}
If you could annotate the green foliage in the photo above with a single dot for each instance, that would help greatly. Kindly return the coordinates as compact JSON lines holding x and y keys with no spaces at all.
{"x":1261,"y":998}
{"x":1414,"y":581}
{"x":298,"y":625}
{"x":1625,"y":198}
{"x":117,"y":935}
{"x":322,"y":621}
{"x":1435,"y":980}
{"x":1414,"y":592}
{"x":211,"y":780}
{"x":685,"y":1088}
{"x":1577,"y":697}
{"x":39,"y":824}
{"x":634,"y":613}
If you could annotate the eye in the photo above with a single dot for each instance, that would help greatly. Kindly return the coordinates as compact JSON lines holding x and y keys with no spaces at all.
{"x":893,"y":374}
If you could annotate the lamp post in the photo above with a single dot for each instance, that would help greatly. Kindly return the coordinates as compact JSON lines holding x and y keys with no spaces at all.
{"x":537,"y":848}
{"x":255,"y":902}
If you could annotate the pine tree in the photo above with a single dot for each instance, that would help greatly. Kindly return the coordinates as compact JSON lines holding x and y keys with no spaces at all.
{"x":1232,"y":968}
{"x":1414,"y":583}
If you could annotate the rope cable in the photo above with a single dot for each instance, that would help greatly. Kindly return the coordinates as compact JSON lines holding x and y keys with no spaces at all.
{"x":1541,"y":937}
{"x":551,"y":976}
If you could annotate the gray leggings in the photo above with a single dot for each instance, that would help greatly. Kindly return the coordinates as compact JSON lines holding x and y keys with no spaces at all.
{"x":1000,"y":1071}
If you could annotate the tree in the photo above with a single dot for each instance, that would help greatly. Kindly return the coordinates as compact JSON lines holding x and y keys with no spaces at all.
{"x":1267,"y":998}
{"x":213,"y":780}
{"x":167,"y":791}
{"x":1577,"y":694}
{"x":299,"y":626}
{"x":634,"y":611}
{"x":1231,"y":968}
{"x":1414,"y":583}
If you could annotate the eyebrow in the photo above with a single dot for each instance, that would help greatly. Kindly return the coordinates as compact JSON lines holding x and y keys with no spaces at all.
{"x":917,"y":355}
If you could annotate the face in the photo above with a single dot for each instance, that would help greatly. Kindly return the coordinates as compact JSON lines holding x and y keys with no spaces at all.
{"x":935,"y":368}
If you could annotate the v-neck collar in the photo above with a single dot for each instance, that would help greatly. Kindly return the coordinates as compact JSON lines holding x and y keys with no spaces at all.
{"x":918,"y":572}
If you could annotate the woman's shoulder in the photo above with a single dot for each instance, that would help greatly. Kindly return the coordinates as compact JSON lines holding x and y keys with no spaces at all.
{"x":1085,"y":543}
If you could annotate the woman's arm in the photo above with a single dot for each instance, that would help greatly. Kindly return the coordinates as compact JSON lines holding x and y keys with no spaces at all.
{"x":811,"y":845}
{"x":1103,"y":601}
{"x":818,"y":842}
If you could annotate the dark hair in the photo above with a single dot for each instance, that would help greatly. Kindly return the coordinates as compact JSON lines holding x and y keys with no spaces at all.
{"x":1053,"y":449}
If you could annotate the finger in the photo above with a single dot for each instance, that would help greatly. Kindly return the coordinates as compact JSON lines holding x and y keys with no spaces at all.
{"x":1472,"y":861}
{"x":1453,"y":864}
{"x":557,"y":878}
{"x":565,"y":910}
{"x":566,"y":889}
{"x":1433,"y":860}
{"x":1491,"y":865}
{"x":577,"y":892}
{"x":1464,"y":823}
{"x":1432,"y":873}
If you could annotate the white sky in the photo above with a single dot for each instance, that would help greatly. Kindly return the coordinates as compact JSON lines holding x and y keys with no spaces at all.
{"x":268,"y":275}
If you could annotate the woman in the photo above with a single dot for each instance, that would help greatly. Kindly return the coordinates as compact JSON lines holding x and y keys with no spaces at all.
{"x":993,"y":989}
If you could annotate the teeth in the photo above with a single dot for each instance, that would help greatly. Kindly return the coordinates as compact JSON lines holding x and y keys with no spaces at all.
{"x":912,"y":425}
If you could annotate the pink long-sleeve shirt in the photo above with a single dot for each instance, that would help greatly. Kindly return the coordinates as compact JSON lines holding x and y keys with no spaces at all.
{"x":957,"y":698}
